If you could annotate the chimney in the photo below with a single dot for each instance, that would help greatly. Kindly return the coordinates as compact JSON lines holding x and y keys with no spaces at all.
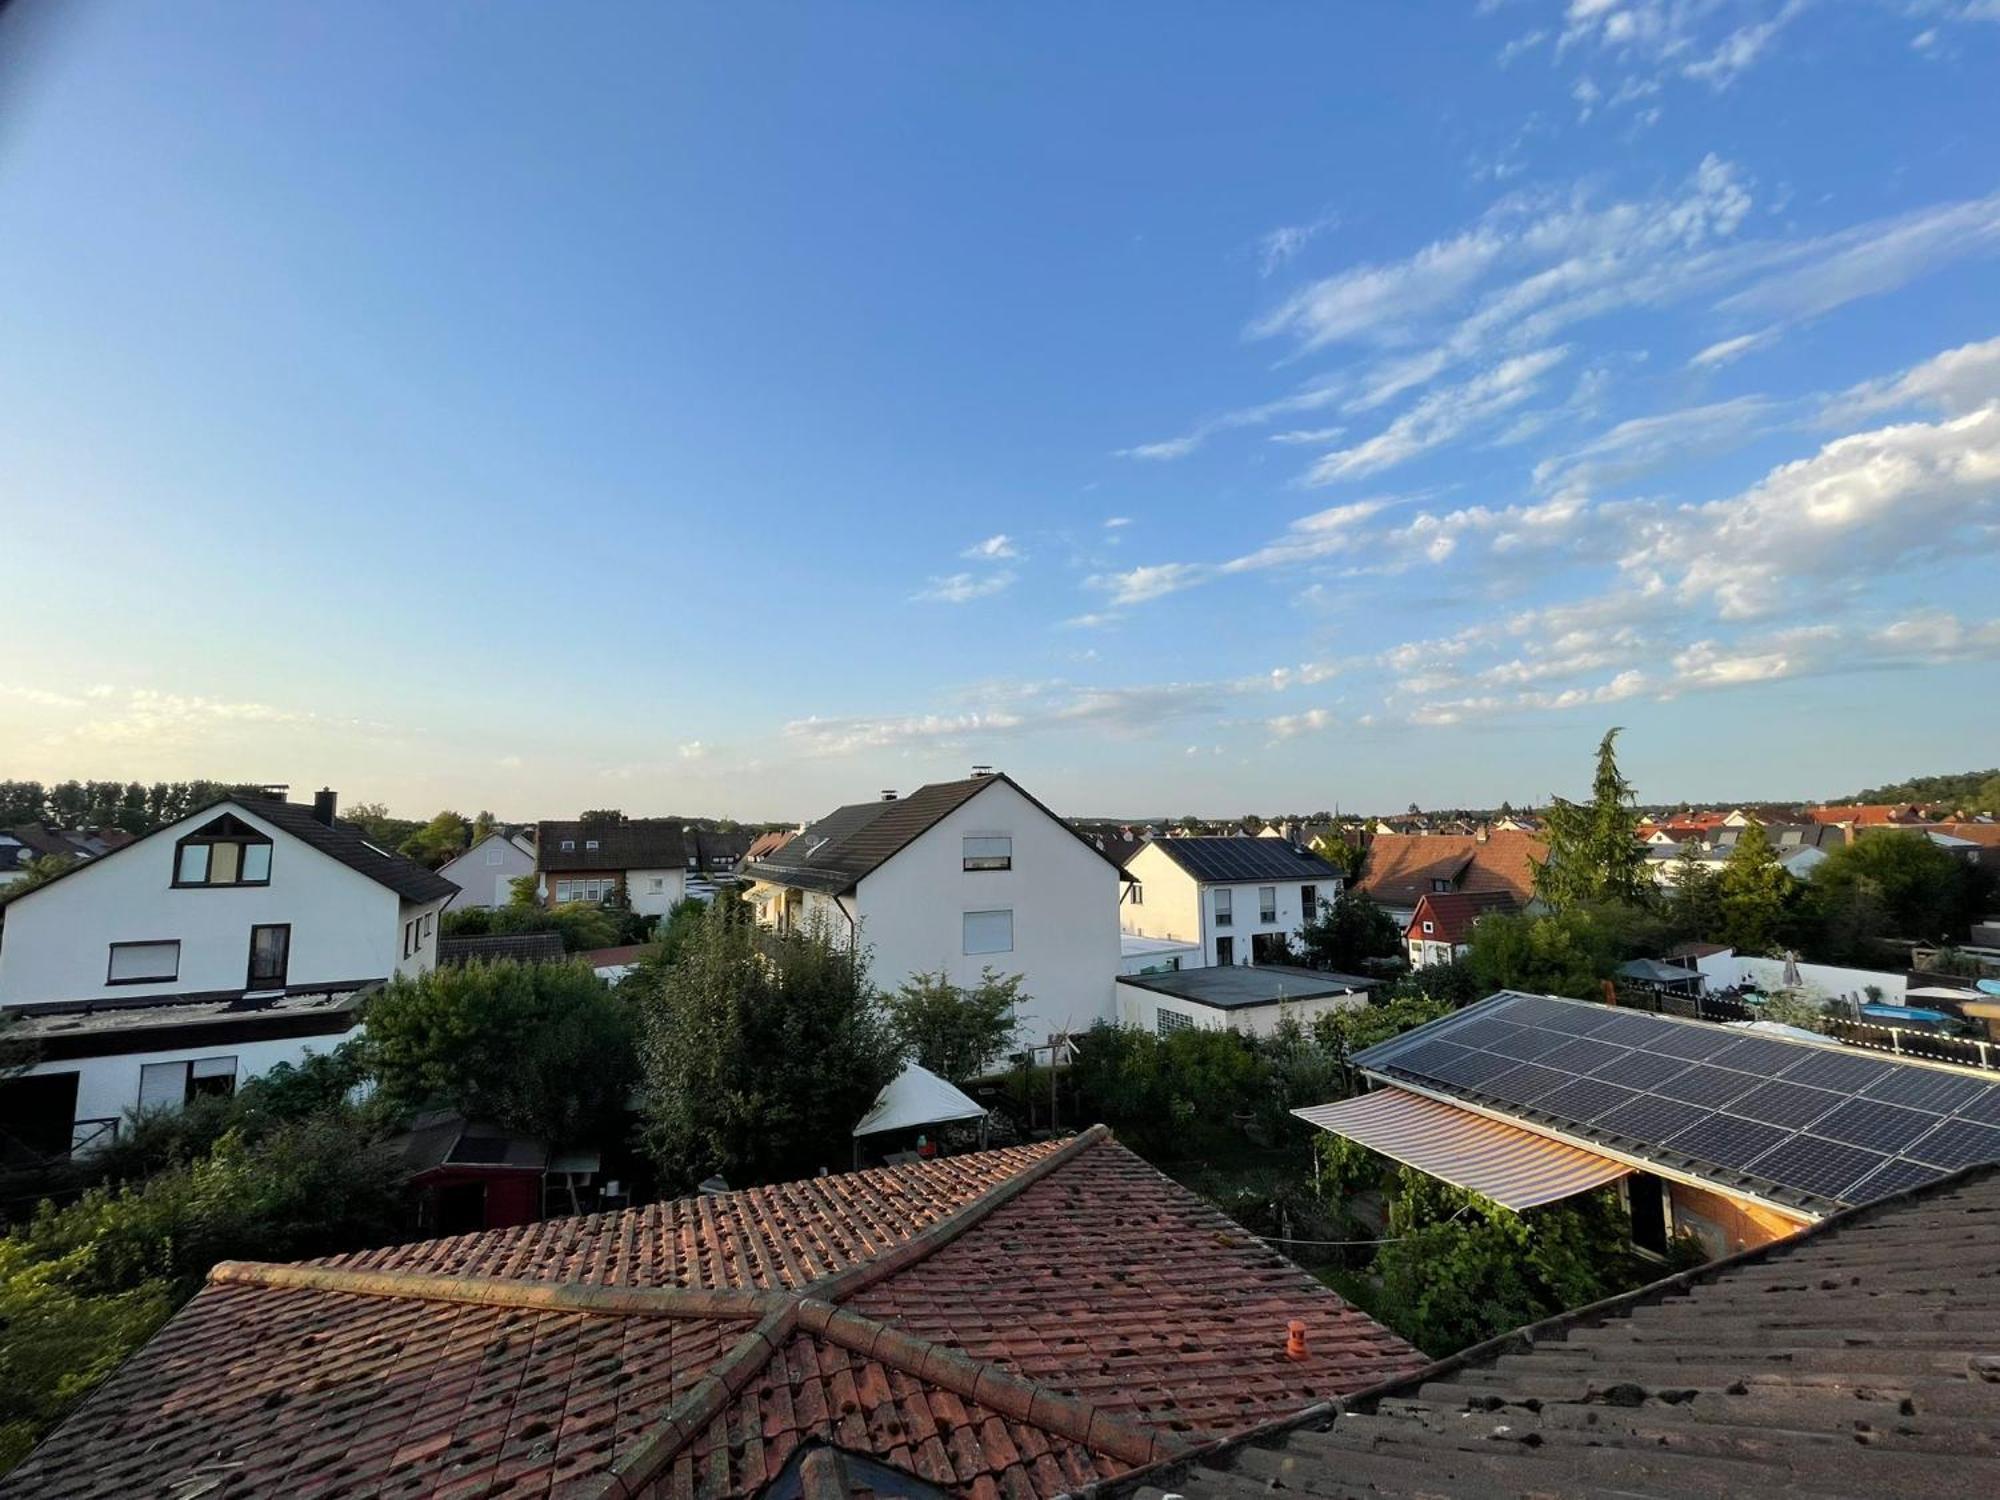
{"x":1295,"y":1339}
{"x":888,"y":794}
{"x":325,"y":800}
{"x":978,"y":771}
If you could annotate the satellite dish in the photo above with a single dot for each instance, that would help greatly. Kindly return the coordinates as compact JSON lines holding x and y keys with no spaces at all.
{"x":1990,"y":986}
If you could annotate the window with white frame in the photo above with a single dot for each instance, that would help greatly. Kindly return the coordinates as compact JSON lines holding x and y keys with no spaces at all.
{"x":143,"y":963}
{"x":493,"y":854}
{"x":569,"y":846}
{"x":989,"y":932}
{"x":1309,"y":901}
{"x":1429,"y":928}
{"x":170,"y":1085}
{"x":1225,"y":907}
{"x":590,"y":843}
{"x":987,"y":851}
{"x":1267,"y":903}
{"x":1167,"y":1022}
{"x":657,"y":884}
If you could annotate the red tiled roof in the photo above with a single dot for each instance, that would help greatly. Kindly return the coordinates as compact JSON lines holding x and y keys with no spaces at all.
{"x":1865,"y":814}
{"x":1401,"y":867}
{"x":1019,"y":1323}
{"x":1452,"y":913}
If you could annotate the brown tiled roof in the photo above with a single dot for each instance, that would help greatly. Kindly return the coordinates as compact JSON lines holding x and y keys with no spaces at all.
{"x":1865,"y":814}
{"x":1401,"y":867}
{"x":1452,"y":913}
{"x":1857,"y":1357}
{"x":1023,"y":1322}
{"x":770,"y":843}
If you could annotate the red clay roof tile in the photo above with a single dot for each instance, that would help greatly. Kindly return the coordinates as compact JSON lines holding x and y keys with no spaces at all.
{"x":1057,"y":1315}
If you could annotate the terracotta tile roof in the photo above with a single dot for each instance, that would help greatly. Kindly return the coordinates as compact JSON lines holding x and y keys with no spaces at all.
{"x":1401,"y":867}
{"x":1865,"y":814}
{"x":1017,"y":1323}
{"x":1452,"y":913}
{"x":1854,"y":1358}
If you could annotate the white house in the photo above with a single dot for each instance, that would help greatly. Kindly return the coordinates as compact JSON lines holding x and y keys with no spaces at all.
{"x":644,"y":861}
{"x":485,"y":873}
{"x":958,"y":877}
{"x":1245,"y":998}
{"x":1238,"y":899}
{"x":240,"y":908}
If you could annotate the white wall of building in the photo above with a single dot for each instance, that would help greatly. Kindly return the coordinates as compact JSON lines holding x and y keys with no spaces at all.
{"x":653,"y":893}
{"x":485,"y":873}
{"x":1175,"y":905}
{"x":56,"y":941}
{"x":1063,"y":895}
{"x":1728,"y":969}
{"x":1141,"y":1007}
{"x":108,"y":1087}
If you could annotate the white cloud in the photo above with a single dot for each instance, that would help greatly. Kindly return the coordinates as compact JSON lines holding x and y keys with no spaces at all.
{"x":1741,"y":48}
{"x":1440,"y":417}
{"x":1958,"y":380}
{"x":1153,"y":581}
{"x":1290,"y":726}
{"x":963,"y":588}
{"x":992,"y":549}
{"x":1286,"y":241}
{"x":1644,"y":444}
{"x":1727,"y":351}
{"x":1113,"y":523}
{"x":1164,"y":451}
{"x":692,"y":750}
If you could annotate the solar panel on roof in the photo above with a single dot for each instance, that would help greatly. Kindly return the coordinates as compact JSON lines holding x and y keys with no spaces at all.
{"x":1728,"y":1141}
{"x":1827,"y":1069}
{"x":1756,"y":1054}
{"x":1533,"y":1010}
{"x":1528,"y":1043}
{"x":1652,"y":1119}
{"x":1472,"y":1070}
{"x":1428,"y":1056}
{"x":1871,"y":1123}
{"x":1484,"y":1032}
{"x":1893,"y":1178}
{"x":1784,"y":1103}
{"x":1583,"y":1055}
{"x":1695,"y":1043}
{"x":1957,"y":1143}
{"x":1925,"y":1088}
{"x":1702,"y":1084}
{"x":1816,"y":1166}
{"x":1631,"y":1030}
{"x":1526,"y":1082}
{"x":1585,"y":1099}
{"x":1985,"y":1109}
{"x":1580,"y":1018}
{"x":1641,"y":1070}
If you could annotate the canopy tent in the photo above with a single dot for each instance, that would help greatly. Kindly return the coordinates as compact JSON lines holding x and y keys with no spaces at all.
{"x":1653,"y":971}
{"x":1516,"y":1168}
{"x":914,"y":1098}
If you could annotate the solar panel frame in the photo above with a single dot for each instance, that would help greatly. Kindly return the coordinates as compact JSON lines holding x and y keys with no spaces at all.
{"x":1957,"y":1143}
{"x":1532,"y":1043}
{"x":1898,"y":1174}
{"x":1526,"y":1082}
{"x":1690,"y":1042}
{"x":1985,"y":1108}
{"x":1583,"y":1055}
{"x":1729,"y":1142}
{"x":1875,"y":1124}
{"x":1641,"y":1070}
{"x":1584,"y":1099}
{"x":1842,"y":1072}
{"x":1632,"y":1030}
{"x":1472,"y":1070}
{"x":1813,"y":1165}
{"x":1707,"y":1086}
{"x":1921,"y":1087}
{"x":1778,"y":1102}
{"x":1757,"y":1054}
{"x":1650,"y":1119}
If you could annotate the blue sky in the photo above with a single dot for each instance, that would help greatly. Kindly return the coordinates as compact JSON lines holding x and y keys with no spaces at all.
{"x":742,"y":408}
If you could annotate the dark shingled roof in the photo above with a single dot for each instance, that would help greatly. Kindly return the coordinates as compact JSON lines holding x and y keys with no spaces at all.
{"x":493,"y":947}
{"x":834,"y":854}
{"x":341,"y":841}
{"x":1858,"y":1357}
{"x":1006,"y":1325}
{"x":1235,"y":986}
{"x":635,"y":844}
{"x":1238,"y":859}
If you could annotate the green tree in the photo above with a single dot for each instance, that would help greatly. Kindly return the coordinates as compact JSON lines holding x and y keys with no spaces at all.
{"x":760,"y":1051}
{"x":1340,"y":852}
{"x":546,"y":1049}
{"x":1755,"y":892}
{"x":1347,"y":932}
{"x":1563,"y":953}
{"x":483,"y":823}
{"x":444,"y":837}
{"x":37,"y":872}
{"x":1594,"y":849}
{"x":1697,"y":906}
{"x":1923,"y":891}
{"x":373,"y":819}
{"x":956,"y":1032}
{"x":1170,"y":1096}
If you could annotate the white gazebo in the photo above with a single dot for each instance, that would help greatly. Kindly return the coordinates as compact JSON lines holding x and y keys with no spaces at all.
{"x":916,"y":1098}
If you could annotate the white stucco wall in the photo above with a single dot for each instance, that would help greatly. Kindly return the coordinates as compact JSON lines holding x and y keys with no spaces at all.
{"x":1141,"y":1007}
{"x":1063,"y":893}
{"x":1169,"y":908}
{"x":485,"y":873}
{"x":1823,"y":981}
{"x":648,"y":902}
{"x":107,"y":1087}
{"x":1176,"y":906}
{"x":55,"y":944}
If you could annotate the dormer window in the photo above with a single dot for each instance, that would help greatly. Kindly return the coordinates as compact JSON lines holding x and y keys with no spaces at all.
{"x":587,"y":843}
{"x":227,"y":851}
{"x":569,"y":846}
{"x":1440,"y":885}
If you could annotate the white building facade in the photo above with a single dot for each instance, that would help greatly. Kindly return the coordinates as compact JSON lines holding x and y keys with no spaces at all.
{"x":485,"y":873}
{"x":1237,"y":900}
{"x":956,"y":879}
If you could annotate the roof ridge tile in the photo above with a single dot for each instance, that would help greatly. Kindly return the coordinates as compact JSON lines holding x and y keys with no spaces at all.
{"x":501,"y":1291}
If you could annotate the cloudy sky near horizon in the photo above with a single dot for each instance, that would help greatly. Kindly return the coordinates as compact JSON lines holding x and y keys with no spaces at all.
{"x":740,"y":409}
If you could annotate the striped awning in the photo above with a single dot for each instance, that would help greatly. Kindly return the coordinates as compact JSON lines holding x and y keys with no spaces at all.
{"x":1514,"y":1167}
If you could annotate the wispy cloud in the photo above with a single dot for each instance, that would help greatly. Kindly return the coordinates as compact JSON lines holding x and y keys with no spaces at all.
{"x":1728,"y":351}
{"x":992,"y":549}
{"x":1278,"y":247}
{"x":1440,"y":416}
{"x":963,"y":588}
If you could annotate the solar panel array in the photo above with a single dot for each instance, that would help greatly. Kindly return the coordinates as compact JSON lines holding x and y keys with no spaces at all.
{"x":1245,"y":859}
{"x":1804,"y":1118}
